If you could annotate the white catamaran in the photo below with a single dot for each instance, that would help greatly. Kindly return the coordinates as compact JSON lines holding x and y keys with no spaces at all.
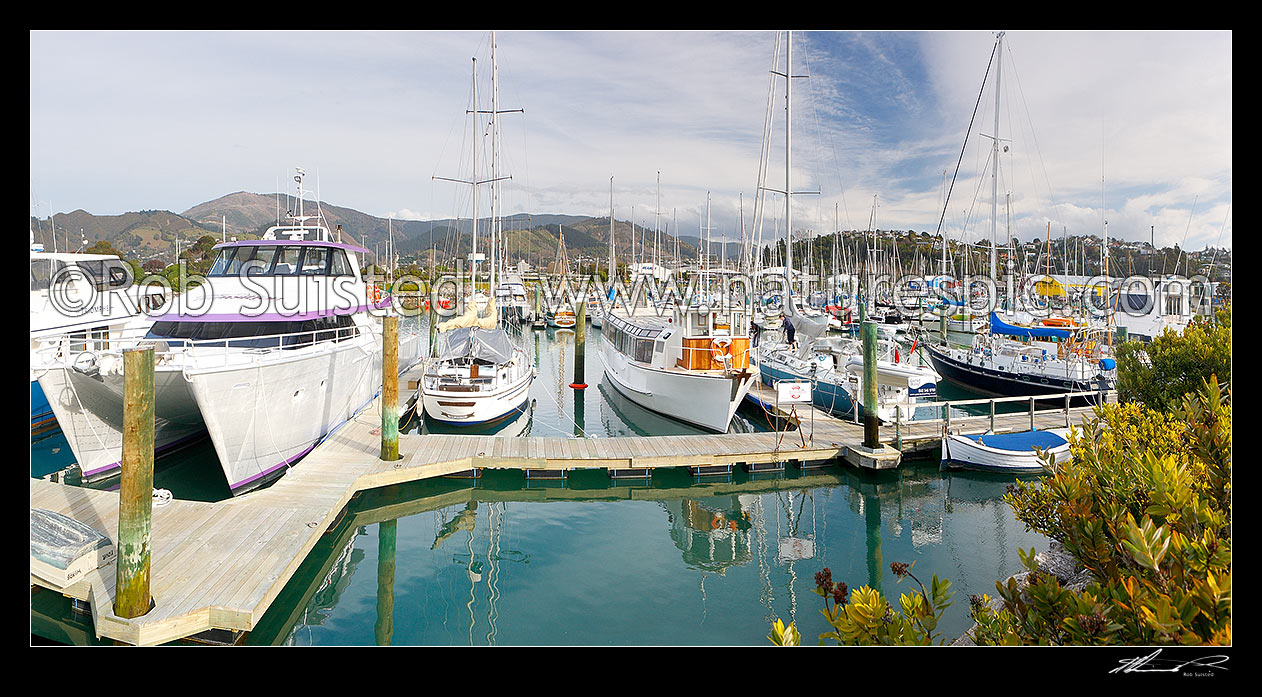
{"x":282,"y":349}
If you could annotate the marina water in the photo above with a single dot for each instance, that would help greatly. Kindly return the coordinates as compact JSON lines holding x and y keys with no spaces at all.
{"x":670,"y":560}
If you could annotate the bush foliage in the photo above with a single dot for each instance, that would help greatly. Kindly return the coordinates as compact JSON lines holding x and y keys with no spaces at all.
{"x":1158,"y":374}
{"x":1144,"y":505}
{"x":1146,"y":509}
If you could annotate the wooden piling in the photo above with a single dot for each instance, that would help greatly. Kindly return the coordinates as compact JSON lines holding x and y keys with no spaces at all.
{"x":387,"y":535}
{"x":390,"y":388}
{"x":580,"y":344}
{"x":135,"y":493}
{"x":871,"y":422}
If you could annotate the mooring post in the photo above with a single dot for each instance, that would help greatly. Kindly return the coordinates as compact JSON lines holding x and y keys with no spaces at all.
{"x":1031,"y":413}
{"x":387,"y":536}
{"x":580,"y":345}
{"x":898,"y":428}
{"x":135,"y":493}
{"x":1066,"y":410}
{"x":390,"y":387}
{"x":538,"y":305}
{"x":992,"y":416}
{"x":871,"y":423}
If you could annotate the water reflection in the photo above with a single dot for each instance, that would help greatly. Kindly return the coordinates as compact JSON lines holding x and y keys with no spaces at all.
{"x":488,"y":561}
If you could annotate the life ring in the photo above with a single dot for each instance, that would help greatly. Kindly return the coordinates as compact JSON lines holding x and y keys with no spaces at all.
{"x":718,"y":348}
{"x":374,"y":294}
{"x":714,"y":523}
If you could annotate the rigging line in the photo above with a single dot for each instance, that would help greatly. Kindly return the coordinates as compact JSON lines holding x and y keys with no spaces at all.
{"x":977,"y":105}
{"x":1191,"y":214}
{"x":1033,"y":137}
{"x":1214,"y":258}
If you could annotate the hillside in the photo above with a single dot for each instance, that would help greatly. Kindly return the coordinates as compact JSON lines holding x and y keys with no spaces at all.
{"x":152,"y":234}
{"x":143,"y":234}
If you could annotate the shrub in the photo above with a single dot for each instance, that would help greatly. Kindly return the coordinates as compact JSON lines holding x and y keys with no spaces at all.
{"x":1145,"y":507}
{"x":1159,"y":374}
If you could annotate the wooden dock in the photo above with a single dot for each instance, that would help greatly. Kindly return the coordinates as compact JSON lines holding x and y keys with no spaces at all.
{"x":219,"y":566}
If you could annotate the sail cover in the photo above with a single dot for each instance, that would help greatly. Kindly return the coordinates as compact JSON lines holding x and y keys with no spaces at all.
{"x":998,"y":326}
{"x":491,"y":345}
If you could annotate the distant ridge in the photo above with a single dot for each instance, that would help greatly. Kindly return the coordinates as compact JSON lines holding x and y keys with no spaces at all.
{"x":244,"y":215}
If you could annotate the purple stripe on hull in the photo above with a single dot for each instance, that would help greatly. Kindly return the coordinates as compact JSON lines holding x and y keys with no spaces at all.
{"x":284,"y":463}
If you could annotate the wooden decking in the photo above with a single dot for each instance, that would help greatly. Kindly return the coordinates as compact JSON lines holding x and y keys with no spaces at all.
{"x":220,"y":565}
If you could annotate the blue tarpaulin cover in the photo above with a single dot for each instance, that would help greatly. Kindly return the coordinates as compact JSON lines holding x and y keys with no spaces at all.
{"x":998,"y":326}
{"x":1020,"y":442}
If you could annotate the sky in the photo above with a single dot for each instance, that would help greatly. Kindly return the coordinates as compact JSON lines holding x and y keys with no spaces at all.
{"x":1128,"y":133}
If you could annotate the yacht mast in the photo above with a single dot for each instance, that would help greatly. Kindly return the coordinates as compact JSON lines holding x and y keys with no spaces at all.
{"x":788,"y":159}
{"x":994,"y":173}
{"x":613,"y":270}
{"x":657,"y":214}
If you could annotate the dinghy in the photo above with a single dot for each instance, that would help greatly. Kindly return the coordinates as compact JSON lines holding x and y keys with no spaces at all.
{"x":1016,"y":453}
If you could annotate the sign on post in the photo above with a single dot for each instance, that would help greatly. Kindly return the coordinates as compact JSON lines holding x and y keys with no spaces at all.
{"x":793,"y":392}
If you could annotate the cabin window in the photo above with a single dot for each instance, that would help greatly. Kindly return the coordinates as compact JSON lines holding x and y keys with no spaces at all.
{"x":338,"y":264}
{"x":260,"y":264}
{"x":220,"y":267}
{"x":281,"y":260}
{"x":287,"y":261}
{"x":94,"y":339}
{"x":315,"y":261}
{"x":42,"y":271}
{"x":644,"y":350}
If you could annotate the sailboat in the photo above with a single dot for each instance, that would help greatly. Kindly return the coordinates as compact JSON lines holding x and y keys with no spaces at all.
{"x":1010,"y":359}
{"x":477,"y":374}
{"x":831,"y":365}
{"x":561,"y":316}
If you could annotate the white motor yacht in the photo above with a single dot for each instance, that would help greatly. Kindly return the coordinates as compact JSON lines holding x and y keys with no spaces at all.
{"x":278,"y":348}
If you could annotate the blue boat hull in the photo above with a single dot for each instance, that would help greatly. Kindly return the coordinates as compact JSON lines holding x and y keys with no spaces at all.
{"x":829,"y":397}
{"x":41,"y":412}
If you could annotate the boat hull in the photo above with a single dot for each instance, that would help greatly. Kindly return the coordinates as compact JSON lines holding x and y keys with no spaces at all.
{"x":964,"y":452}
{"x":826,"y":395}
{"x":89,"y":410}
{"x":1007,"y":384}
{"x":478,"y":408}
{"x":707,"y":400}
{"x":263,"y":418}
{"x":42,"y":417}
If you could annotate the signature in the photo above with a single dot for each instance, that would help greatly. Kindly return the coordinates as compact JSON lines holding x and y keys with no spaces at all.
{"x":1152,"y":664}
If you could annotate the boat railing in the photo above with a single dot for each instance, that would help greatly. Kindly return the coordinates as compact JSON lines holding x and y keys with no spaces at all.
{"x":1060,"y":402}
{"x":82,"y":354}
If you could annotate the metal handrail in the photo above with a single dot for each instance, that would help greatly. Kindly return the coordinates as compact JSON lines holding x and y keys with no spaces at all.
{"x":182,"y":347}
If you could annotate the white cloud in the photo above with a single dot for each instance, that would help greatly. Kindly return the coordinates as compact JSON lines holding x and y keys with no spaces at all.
{"x":130,"y":120}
